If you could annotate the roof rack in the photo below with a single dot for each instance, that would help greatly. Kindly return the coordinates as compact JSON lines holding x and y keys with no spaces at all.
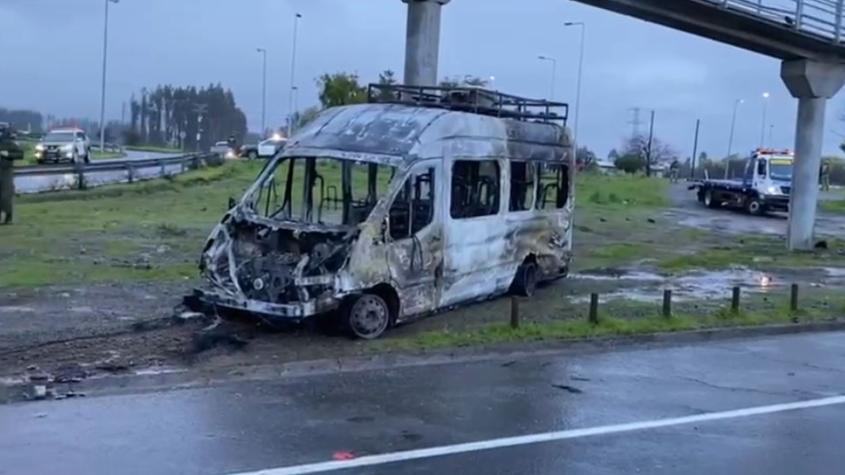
{"x":470,"y":99}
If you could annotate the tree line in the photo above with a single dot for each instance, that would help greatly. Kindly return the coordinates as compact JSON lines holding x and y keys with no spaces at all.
{"x":190,"y":118}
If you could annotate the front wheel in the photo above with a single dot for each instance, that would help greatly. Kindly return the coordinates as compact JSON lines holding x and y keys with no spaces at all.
{"x":754,"y":207}
{"x":367,"y":316}
{"x":525,"y":281}
{"x":252,"y":155}
{"x":88,"y":156}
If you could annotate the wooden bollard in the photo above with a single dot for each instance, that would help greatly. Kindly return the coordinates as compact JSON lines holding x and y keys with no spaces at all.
{"x":594,"y":309}
{"x":667,"y":303}
{"x":514,"y":313}
{"x":793,"y":298}
{"x":735,"y":300}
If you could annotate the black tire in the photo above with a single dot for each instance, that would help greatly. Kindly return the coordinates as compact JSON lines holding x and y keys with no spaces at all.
{"x":525,"y":281}
{"x":252,"y":155}
{"x":754,"y":206}
{"x":367,"y":316}
{"x":709,"y":200}
{"x":88,"y":156}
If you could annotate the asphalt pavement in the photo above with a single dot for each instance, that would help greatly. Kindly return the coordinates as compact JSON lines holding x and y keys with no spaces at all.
{"x":770,"y":405}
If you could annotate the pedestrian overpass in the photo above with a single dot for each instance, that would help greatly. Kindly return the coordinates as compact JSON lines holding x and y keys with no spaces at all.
{"x":784,"y":29}
{"x":806,"y":35}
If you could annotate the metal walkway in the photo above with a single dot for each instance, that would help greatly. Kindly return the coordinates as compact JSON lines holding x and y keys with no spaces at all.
{"x":784,"y":29}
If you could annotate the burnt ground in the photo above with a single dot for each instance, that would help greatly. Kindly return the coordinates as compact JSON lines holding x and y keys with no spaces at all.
{"x":79,"y":331}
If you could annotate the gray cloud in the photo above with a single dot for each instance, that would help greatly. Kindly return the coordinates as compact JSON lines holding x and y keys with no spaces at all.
{"x":52,"y":54}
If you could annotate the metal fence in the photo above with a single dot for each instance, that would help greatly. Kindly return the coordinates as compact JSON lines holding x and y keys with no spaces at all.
{"x":37,"y":179}
{"x":820,"y":18}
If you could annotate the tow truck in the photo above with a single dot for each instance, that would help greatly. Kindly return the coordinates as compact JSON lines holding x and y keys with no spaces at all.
{"x":765,"y":185}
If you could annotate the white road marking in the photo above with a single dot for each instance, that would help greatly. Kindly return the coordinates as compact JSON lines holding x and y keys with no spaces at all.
{"x":416,"y":454}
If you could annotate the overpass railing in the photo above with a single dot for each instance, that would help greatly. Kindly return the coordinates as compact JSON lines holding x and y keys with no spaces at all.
{"x":822,"y":18}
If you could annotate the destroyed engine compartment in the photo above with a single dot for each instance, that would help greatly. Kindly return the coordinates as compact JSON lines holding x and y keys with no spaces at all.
{"x":273,"y":264}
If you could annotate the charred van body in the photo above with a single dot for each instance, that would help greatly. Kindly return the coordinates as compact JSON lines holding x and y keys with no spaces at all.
{"x":420,"y":200}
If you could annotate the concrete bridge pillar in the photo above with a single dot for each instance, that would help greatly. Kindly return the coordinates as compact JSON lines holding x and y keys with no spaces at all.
{"x":422,"y":43}
{"x":812,"y":83}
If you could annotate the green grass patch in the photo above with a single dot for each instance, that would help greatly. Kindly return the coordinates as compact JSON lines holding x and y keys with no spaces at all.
{"x":755,"y":251}
{"x":607,"y":326}
{"x":148,"y":231}
{"x":835,"y":206}
{"x":620,"y":191}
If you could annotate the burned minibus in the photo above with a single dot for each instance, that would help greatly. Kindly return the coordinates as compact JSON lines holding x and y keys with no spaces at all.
{"x":419,"y":200}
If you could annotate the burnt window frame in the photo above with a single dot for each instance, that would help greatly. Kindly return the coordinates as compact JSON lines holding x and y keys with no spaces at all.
{"x":413,"y":189}
{"x":530,"y":193}
{"x":563,"y":186}
{"x":495,"y":208}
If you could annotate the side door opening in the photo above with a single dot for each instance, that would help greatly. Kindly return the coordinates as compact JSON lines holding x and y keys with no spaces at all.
{"x":415,"y":239}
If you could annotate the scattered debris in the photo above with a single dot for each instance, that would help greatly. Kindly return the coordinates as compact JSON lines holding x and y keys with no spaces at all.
{"x":579,"y":378}
{"x":343,"y":455}
{"x":508,"y":364}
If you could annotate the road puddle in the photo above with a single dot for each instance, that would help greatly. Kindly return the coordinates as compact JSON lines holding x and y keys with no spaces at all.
{"x":641,"y":286}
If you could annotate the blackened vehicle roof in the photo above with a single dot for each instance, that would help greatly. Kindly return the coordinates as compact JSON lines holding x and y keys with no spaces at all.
{"x":395,"y":129}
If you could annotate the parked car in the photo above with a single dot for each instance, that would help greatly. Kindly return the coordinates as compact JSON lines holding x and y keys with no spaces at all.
{"x":64,"y":145}
{"x":249,"y":151}
{"x":223,"y":149}
{"x":271,"y":146}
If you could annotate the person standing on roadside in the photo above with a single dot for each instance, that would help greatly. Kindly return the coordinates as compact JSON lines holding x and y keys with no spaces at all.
{"x":824,"y":175}
{"x":9,"y":152}
{"x":675,"y":170}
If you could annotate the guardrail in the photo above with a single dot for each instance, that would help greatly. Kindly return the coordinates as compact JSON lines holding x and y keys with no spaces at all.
{"x":820,"y":18}
{"x":36,"y":179}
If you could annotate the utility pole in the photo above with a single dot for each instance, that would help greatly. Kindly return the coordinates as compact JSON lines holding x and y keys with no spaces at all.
{"x":103,"y":89}
{"x":263,"y":90}
{"x":292,"y":73}
{"x":694,"y":149}
{"x":554,"y":74}
{"x":648,"y":147}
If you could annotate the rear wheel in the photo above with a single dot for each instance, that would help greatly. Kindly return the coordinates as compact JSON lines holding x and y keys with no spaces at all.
{"x":367,"y":316}
{"x":754,"y":207}
{"x":710,"y":200}
{"x":525,"y":281}
{"x":252,"y":155}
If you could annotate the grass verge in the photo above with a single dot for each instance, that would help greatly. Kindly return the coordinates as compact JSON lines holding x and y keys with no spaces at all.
{"x":147,"y":231}
{"x":607,"y":326}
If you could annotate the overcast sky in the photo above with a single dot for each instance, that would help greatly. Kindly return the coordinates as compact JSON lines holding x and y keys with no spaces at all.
{"x":52,"y":53}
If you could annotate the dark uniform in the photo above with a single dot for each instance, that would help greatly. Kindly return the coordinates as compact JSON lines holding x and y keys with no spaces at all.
{"x":9,"y":152}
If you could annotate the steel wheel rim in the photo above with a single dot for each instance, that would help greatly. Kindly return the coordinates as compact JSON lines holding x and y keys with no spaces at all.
{"x":369,"y":317}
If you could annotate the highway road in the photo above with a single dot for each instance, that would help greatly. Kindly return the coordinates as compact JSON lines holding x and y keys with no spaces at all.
{"x":36,"y":184}
{"x":769,"y":405}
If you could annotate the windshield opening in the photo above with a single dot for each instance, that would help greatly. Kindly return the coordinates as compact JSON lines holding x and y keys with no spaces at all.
{"x":59,"y":137}
{"x":781,"y":170}
{"x":322,"y":190}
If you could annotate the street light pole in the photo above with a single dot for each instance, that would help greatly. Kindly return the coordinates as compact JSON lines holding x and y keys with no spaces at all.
{"x":733,"y":126}
{"x":103,"y":89}
{"x":763,"y":126}
{"x":554,"y":73}
{"x":583,"y":27}
{"x":263,"y":91}
{"x":292,"y":73}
